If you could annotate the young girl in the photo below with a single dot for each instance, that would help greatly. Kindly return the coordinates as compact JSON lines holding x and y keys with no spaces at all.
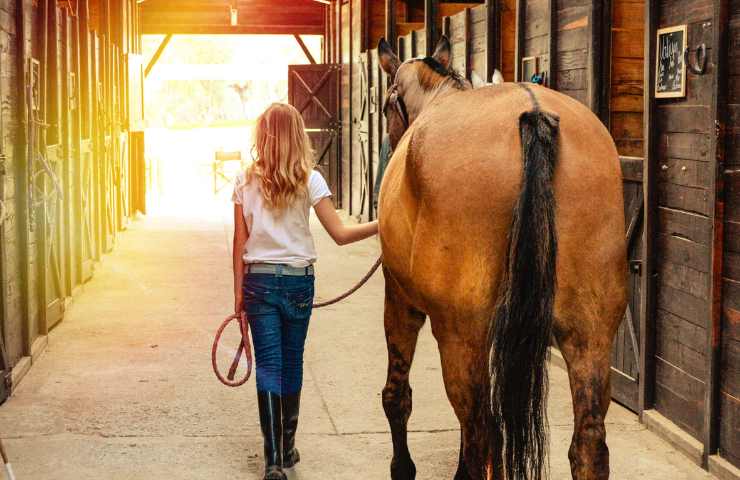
{"x":273,"y":268}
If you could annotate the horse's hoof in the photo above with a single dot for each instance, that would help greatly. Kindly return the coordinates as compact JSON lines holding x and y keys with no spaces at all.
{"x":291,"y":458}
{"x":403,"y":469}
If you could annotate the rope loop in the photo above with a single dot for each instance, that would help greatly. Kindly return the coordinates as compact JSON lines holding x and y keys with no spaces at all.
{"x":244,"y":347}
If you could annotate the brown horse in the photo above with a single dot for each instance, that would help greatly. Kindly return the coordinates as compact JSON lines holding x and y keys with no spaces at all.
{"x":501,"y":219}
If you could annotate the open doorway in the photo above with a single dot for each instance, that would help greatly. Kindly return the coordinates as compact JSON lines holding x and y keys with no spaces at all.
{"x":202,"y":98}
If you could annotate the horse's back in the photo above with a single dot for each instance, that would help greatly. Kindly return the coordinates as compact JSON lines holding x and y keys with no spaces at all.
{"x":457,"y":177}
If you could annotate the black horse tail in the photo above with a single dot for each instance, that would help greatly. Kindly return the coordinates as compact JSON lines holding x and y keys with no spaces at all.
{"x":522,"y":324}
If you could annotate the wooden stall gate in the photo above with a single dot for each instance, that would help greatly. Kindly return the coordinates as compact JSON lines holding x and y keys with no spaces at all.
{"x":313,"y":90}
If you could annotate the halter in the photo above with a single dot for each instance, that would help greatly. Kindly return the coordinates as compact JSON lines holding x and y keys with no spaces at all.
{"x":397,"y":101}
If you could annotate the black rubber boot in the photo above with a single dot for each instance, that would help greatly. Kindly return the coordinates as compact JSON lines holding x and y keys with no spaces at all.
{"x":291,"y":405}
{"x":271,"y":422}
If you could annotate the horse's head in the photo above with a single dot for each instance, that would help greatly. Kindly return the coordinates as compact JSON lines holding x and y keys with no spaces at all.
{"x":416,"y":82}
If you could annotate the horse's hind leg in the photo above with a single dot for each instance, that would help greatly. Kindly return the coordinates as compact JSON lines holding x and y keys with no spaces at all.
{"x":588,"y":370}
{"x":464,"y":369}
{"x":402,"y":325}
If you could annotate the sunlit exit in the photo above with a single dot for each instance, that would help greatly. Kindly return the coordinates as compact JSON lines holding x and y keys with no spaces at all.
{"x":201,"y":99}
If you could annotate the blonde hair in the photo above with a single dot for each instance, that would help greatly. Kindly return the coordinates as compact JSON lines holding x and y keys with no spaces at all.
{"x":284,"y":157}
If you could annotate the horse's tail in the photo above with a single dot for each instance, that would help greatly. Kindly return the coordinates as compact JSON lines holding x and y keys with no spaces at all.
{"x":522,"y":324}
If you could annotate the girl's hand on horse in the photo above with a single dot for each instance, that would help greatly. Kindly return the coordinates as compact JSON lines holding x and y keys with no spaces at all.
{"x":342,"y":234}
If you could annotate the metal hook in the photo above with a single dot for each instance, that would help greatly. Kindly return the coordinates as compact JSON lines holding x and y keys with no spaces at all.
{"x":700,"y":57}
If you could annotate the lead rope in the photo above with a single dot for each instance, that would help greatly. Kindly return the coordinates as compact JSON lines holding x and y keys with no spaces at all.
{"x":245,"y":346}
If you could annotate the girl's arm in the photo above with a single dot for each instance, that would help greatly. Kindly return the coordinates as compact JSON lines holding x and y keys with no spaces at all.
{"x":240,"y":239}
{"x":342,"y":234}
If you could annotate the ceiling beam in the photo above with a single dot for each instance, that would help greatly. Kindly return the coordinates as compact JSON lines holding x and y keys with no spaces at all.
{"x":226,"y":29}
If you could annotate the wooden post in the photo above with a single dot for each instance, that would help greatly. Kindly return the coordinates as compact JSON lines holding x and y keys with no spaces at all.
{"x":468,"y":48}
{"x":493,"y":36}
{"x":603,"y":89}
{"x":519,"y":39}
{"x":595,"y":56}
{"x":337,"y":130}
{"x":365,"y":25}
{"x":646,"y":386}
{"x":391,"y":18}
{"x":431,"y":8}
{"x":718,"y":108}
{"x":552,"y":50}
{"x":23,"y":180}
{"x":348,"y":203}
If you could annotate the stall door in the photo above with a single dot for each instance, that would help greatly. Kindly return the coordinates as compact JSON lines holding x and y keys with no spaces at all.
{"x":313,"y":90}
{"x":625,"y":352}
{"x":49,"y":201}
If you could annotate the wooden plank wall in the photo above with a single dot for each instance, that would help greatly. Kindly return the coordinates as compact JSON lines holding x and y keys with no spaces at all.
{"x":467,"y":33}
{"x":626,"y":87}
{"x":573,"y":40}
{"x":729,"y":436}
{"x":345,"y":103}
{"x":508,"y":39}
{"x":684,"y":233}
{"x":36,"y":285}
{"x":536,"y":33}
{"x":478,"y":44}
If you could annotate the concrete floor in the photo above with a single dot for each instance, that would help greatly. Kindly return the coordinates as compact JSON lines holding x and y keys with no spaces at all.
{"x":125,"y":389}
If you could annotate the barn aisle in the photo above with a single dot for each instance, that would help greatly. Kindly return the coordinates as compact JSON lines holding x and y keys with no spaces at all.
{"x":125,"y":389}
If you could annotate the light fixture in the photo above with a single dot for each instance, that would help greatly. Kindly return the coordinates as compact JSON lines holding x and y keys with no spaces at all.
{"x":325,"y":2}
{"x":234,"y":16}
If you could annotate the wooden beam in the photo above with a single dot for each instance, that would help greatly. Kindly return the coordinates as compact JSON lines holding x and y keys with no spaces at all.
{"x":718,"y":108}
{"x":519,"y":39}
{"x":227,"y":29}
{"x":603,"y":88}
{"x":305,"y":49}
{"x":431,"y":7}
{"x":157,"y":54}
{"x":646,"y":385}
{"x":391,"y":18}
{"x":595,"y":58}
{"x":468,"y":45}
{"x":552,"y":49}
{"x":493,"y":37}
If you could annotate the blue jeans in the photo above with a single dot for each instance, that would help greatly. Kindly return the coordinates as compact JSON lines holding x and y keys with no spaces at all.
{"x":278,"y":308}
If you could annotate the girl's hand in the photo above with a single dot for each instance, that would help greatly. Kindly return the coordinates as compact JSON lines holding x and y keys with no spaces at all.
{"x":238,"y":304}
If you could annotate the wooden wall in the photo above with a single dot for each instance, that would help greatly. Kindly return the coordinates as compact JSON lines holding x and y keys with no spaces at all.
{"x":573,"y":62}
{"x":729,"y":401}
{"x":71,"y":169}
{"x":684,"y":232}
{"x":535,"y":39}
{"x":626,"y":76}
{"x":508,"y":39}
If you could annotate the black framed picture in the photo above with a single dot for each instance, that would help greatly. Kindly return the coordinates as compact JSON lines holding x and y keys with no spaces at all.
{"x":670,"y":67}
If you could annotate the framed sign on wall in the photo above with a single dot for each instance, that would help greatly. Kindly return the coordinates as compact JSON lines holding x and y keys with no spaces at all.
{"x":670,"y":65}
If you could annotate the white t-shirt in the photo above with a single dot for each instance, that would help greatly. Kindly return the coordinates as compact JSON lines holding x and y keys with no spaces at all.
{"x":283,"y":238}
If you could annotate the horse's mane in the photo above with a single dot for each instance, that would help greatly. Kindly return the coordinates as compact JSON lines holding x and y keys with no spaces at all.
{"x":458,"y":81}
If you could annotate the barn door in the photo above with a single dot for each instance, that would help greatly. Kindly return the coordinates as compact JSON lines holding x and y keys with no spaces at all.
{"x":87,"y":222}
{"x":625,"y":352}
{"x":363,"y":138}
{"x":313,"y":90}
{"x":47,"y":176}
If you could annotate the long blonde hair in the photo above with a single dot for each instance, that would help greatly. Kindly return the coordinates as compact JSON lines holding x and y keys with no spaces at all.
{"x":284,"y":157}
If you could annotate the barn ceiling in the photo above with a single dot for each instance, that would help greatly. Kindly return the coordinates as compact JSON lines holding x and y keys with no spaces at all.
{"x":251,"y":16}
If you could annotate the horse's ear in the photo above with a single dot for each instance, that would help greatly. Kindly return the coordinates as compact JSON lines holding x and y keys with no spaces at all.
{"x":388,"y":59}
{"x":442,"y":51}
